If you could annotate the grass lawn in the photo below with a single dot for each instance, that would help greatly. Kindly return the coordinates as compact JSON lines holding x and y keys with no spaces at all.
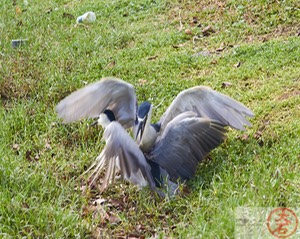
{"x":249,"y":50}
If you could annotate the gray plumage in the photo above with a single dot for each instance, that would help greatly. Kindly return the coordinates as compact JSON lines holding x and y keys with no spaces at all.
{"x":208,"y":103}
{"x":191,"y":127}
{"x":91,"y":100}
{"x":186,"y":140}
{"x":121,"y":153}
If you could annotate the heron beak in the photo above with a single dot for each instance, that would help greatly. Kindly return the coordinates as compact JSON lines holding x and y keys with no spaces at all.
{"x":94,"y":123}
{"x":140,"y":130}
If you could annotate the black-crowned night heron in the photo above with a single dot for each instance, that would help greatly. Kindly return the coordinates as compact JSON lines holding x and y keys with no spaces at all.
{"x":191,"y":127}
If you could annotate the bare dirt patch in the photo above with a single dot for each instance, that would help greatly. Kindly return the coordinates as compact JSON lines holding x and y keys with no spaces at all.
{"x":288,"y":94}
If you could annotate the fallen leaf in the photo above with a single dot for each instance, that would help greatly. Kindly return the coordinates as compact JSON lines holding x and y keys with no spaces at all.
{"x":149,"y":216}
{"x":188,"y":32}
{"x":220,"y":49}
{"x":226,"y":84}
{"x":213,"y":62}
{"x":125,"y":199}
{"x":141,"y":228}
{"x":277,"y":173}
{"x":99,"y":213}
{"x":100,"y":233}
{"x":48,"y":146}
{"x":25,"y":205}
{"x":207,"y":31}
{"x":257,"y":134}
{"x":244,"y":137}
{"x":195,"y":38}
{"x":116,"y":203}
{"x":99,"y":201}
{"x":258,"y":137}
{"x":68,"y":15}
{"x":135,"y":236}
{"x":194,"y":20}
{"x":142,"y":81}
{"x":179,"y":45}
{"x":18,"y":10}
{"x":28,"y":155}
{"x":83,"y":189}
{"x":113,"y":219}
{"x":110,"y":65}
{"x":48,"y":11}
{"x":237,"y":64}
{"x":16,"y":147}
{"x":152,"y":58}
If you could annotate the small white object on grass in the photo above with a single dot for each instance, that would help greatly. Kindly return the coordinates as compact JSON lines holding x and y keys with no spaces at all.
{"x":86,"y":18}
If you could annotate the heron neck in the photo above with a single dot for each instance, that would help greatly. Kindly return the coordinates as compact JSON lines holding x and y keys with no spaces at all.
{"x":103,"y":120}
{"x":149,"y":136}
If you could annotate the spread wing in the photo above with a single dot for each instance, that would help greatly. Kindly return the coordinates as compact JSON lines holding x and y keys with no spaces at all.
{"x":211,"y":104}
{"x":91,"y":100}
{"x":121,"y":153}
{"x":185,"y":142}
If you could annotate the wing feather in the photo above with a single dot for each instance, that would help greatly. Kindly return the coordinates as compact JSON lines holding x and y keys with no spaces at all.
{"x":185,"y":142}
{"x":93,"y":99}
{"x":122,"y":152}
{"x":209,"y":104}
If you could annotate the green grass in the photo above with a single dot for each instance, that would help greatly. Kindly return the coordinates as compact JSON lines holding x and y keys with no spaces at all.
{"x":42,"y":192}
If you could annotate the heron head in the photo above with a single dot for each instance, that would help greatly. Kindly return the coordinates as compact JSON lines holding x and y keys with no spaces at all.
{"x":105,"y":118}
{"x":143,"y":116}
